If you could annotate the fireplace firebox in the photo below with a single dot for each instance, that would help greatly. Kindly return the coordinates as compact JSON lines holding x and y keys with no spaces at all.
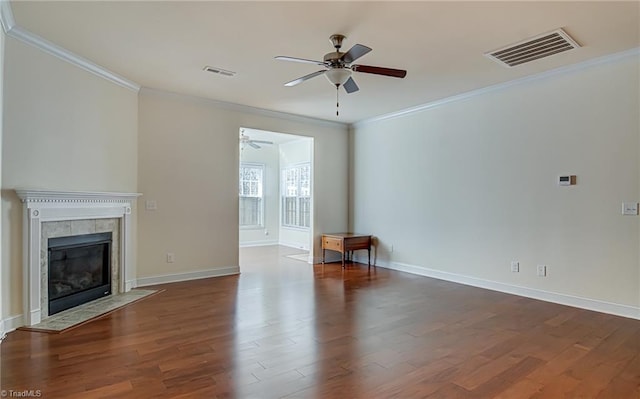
{"x":79,"y":270}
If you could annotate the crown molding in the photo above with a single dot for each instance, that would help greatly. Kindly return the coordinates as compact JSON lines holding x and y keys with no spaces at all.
{"x":51,"y":48}
{"x":19,"y":33}
{"x":12,"y":30}
{"x":247,"y":109}
{"x":6,"y":16}
{"x":502,"y":86}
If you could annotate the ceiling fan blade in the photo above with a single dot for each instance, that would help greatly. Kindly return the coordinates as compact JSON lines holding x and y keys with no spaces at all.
{"x":254,"y":145}
{"x":262,"y":141}
{"x":302,"y":79}
{"x":305,"y":61}
{"x":350,"y":85}
{"x":357,"y":51}
{"x":396,"y":73}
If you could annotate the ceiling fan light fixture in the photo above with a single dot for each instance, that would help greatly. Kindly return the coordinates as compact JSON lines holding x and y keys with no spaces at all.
{"x":338,"y":76}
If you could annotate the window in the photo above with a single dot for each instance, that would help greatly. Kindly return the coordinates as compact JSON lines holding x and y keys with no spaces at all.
{"x":296,"y":196}
{"x":251,"y":195}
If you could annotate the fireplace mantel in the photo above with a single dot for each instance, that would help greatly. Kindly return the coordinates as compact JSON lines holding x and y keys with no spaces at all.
{"x":42,"y":206}
{"x":74,"y":196}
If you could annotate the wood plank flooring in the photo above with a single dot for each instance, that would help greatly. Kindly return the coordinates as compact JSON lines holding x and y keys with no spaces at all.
{"x":285,"y":329}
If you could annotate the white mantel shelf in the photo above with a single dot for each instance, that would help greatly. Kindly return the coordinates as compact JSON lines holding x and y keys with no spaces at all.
{"x":74,"y":196}
{"x":41,"y":206}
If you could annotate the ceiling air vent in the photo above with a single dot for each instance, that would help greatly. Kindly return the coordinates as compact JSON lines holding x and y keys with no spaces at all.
{"x":219,"y":71}
{"x":534,"y":48}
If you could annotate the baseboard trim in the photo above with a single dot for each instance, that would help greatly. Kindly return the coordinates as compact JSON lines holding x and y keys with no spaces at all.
{"x":129,"y":285}
{"x":295,"y":245}
{"x":562,"y":299}
{"x":257,"y":243}
{"x":11,"y":323}
{"x":200,"y":274}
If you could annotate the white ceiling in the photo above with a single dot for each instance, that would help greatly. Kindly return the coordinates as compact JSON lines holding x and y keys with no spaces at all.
{"x":164,"y":45}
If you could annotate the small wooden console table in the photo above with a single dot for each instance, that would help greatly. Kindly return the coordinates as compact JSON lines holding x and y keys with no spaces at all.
{"x":346,"y":243}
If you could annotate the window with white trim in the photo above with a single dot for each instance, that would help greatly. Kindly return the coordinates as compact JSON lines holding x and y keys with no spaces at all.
{"x":251,"y":195}
{"x":296,"y":196}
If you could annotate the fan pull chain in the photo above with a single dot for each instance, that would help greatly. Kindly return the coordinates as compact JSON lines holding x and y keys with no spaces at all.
{"x":337,"y":101}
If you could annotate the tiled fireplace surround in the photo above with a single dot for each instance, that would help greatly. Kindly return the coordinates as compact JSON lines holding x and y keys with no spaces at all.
{"x":49,"y":214}
{"x":66,"y":228}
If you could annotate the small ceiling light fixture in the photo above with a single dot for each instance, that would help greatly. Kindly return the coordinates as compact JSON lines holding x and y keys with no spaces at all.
{"x":219,"y":71}
{"x":338,"y":76}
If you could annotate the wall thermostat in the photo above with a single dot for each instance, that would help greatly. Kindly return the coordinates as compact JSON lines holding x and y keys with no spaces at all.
{"x":569,"y":180}
{"x":630,"y":208}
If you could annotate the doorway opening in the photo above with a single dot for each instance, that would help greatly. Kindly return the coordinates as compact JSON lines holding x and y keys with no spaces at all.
{"x":276,"y":193}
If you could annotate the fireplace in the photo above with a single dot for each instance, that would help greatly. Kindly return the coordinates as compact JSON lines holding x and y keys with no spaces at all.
{"x":54,"y":214}
{"x":79,"y":270}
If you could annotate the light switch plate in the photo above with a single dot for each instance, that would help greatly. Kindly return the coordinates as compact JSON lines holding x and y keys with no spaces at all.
{"x":515,"y":266}
{"x":542,"y":271}
{"x":150,"y":205}
{"x":630,"y":208}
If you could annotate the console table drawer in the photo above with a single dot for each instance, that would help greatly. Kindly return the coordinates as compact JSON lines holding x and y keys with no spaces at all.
{"x":331,"y":243}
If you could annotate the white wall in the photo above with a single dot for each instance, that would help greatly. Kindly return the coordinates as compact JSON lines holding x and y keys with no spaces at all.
{"x":188,"y":164}
{"x":1,"y":125}
{"x":462,"y":189}
{"x":64,"y":129}
{"x":291,"y":154}
{"x":269,"y":156}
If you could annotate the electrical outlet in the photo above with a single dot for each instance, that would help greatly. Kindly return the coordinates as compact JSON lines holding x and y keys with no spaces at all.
{"x":515,"y":266}
{"x":171,"y":257}
{"x":542,"y":271}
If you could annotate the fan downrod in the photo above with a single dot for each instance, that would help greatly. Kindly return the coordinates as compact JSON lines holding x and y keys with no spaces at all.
{"x":333,"y":58}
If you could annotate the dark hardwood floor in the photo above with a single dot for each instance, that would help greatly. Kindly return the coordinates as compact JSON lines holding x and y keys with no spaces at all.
{"x":287,"y":329}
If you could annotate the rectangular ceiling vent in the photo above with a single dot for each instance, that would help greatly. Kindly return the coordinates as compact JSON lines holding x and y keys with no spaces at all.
{"x":219,"y":71}
{"x":534,"y":48}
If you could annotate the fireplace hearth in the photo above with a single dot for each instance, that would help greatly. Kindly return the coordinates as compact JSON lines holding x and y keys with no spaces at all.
{"x":79,"y":270}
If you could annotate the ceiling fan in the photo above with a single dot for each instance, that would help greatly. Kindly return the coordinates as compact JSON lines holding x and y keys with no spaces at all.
{"x":246,"y":140}
{"x":338,"y":66}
